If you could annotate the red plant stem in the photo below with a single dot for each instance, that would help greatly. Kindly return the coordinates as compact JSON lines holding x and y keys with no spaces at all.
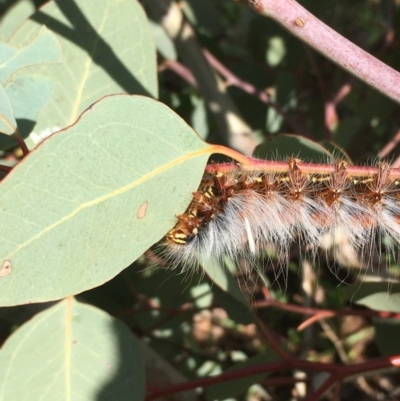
{"x":181,"y":70}
{"x":282,"y":167}
{"x":315,"y":396}
{"x":21,"y":142}
{"x":319,"y":314}
{"x":338,"y":372}
{"x":396,"y":163}
{"x":301,"y":23}
{"x":272,"y":342}
{"x":390,"y":145}
{"x":315,"y":318}
{"x":342,"y":93}
{"x":331,"y":117}
{"x":275,"y":381}
{"x":4,"y":168}
{"x":283,"y":381}
{"x":324,"y":312}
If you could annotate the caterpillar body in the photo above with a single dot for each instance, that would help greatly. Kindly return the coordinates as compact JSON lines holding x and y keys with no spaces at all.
{"x":239,"y":210}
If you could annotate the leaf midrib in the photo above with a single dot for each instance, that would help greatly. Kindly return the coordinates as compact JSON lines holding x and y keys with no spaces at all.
{"x":108,"y":196}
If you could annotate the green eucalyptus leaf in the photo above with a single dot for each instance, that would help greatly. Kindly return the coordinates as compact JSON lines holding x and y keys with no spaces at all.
{"x":164,"y":43}
{"x":43,"y":47}
{"x":8,"y":124}
{"x":222,"y":274}
{"x":387,"y":334}
{"x":28,"y":94}
{"x":205,"y":16}
{"x":276,"y":51}
{"x":13,"y":18}
{"x":71,"y":351}
{"x":92,"y":198}
{"x":107,"y":49}
{"x":376,"y":295}
{"x":336,"y":151}
{"x":346,"y":130}
{"x":199,"y":117}
{"x":285,"y":96}
{"x":382,"y":301}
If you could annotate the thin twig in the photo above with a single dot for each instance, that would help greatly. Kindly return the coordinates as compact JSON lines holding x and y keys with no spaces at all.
{"x":252,"y":164}
{"x":272,"y":341}
{"x":179,"y":69}
{"x":390,"y":145}
{"x":324,"y":313}
{"x":338,"y":373}
{"x":4,"y":168}
{"x":21,"y":142}
{"x":331,"y":117}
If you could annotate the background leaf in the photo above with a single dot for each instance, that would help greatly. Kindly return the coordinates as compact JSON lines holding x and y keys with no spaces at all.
{"x":376,"y":296}
{"x":387,"y":333}
{"x":164,"y":43}
{"x":203,"y":14}
{"x":286,"y":146}
{"x":222,"y":274}
{"x":8,"y":124}
{"x":107,"y":49}
{"x":28,"y":94}
{"x":91,"y":199}
{"x":14,"y":17}
{"x":43,"y":47}
{"x":71,"y":351}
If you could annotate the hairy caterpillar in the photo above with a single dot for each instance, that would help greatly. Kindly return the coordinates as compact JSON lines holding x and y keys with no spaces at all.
{"x":239,"y":210}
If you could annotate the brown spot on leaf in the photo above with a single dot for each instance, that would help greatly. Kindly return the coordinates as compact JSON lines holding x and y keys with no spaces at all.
{"x":5,"y":269}
{"x":142,"y":210}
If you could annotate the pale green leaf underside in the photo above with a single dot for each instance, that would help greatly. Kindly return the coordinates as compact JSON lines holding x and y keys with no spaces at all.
{"x":383,"y":301}
{"x":14,"y":17}
{"x":43,"y":47}
{"x":107,"y":49}
{"x":28,"y":93}
{"x":8,"y":124}
{"x":164,"y":43}
{"x":71,"y":351}
{"x":91,"y":199}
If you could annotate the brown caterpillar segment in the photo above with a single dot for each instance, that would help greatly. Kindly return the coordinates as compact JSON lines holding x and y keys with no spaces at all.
{"x":214,"y":191}
{"x":238,"y":210}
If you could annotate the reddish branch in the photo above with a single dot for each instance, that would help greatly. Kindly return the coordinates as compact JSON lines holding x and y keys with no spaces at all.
{"x":337,"y":374}
{"x":282,"y":166}
{"x":390,"y":145}
{"x":331,"y":44}
{"x":323,"y":313}
{"x":21,"y":142}
{"x":180,"y":70}
{"x":4,"y":168}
